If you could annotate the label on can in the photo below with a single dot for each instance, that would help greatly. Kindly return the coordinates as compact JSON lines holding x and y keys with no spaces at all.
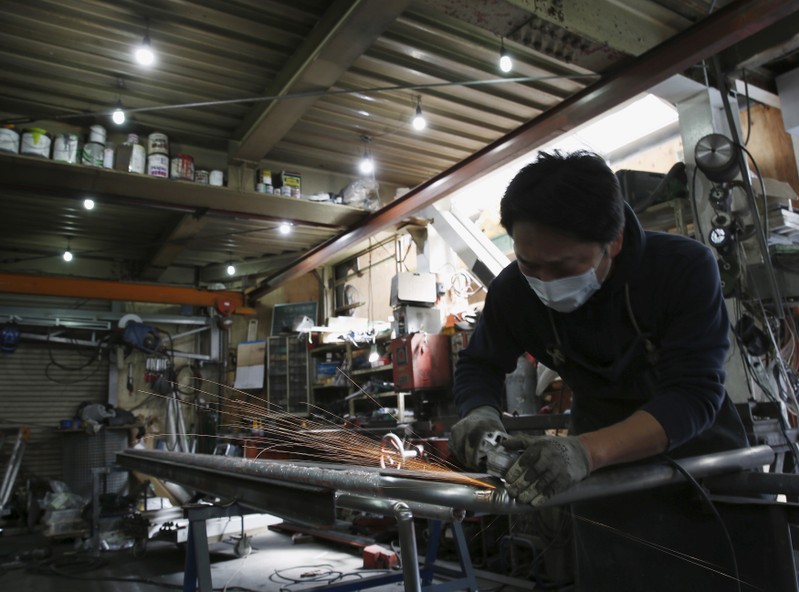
{"x":182,"y":167}
{"x":158,"y":165}
{"x":201,"y":176}
{"x":157,"y":143}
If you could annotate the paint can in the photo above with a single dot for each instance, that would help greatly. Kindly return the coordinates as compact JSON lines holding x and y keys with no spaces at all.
{"x":182,"y":167}
{"x":9,"y":140}
{"x":158,"y":165}
{"x":216,"y":178}
{"x":92,"y":154}
{"x":65,"y":148}
{"x":35,"y":142}
{"x":97,"y":134}
{"x":157,"y":143}
{"x":201,"y":176}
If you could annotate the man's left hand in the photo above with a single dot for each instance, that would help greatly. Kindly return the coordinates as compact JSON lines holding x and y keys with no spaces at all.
{"x":548,"y":465}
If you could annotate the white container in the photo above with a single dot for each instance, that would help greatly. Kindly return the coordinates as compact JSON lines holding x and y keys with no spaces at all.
{"x":138,"y":156}
{"x":65,"y":148}
{"x":9,"y":140}
{"x":216,"y":178}
{"x":35,"y":142}
{"x":201,"y":176}
{"x":92,"y":154}
{"x":157,"y":143}
{"x":108,"y":156}
{"x":158,"y":165}
{"x":97,"y":134}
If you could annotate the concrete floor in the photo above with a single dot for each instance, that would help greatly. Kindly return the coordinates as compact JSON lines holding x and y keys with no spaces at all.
{"x":276,"y":564}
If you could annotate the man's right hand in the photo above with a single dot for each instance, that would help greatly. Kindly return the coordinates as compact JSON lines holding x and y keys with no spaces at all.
{"x":467,"y":434}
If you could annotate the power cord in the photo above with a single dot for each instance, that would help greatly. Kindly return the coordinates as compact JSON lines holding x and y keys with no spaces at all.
{"x":704,"y":495}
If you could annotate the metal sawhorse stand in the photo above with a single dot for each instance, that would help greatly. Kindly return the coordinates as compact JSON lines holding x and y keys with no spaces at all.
{"x":197,"y":574}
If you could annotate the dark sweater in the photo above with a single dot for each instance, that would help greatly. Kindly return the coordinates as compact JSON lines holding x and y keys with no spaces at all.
{"x":676,"y":301}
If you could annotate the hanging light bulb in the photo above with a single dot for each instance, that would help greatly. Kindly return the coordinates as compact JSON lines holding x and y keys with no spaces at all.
{"x":67,"y":253}
{"x":285,"y":227}
{"x":118,"y":116}
{"x":373,"y":355}
{"x":144,"y":53}
{"x":419,"y":122}
{"x":231,"y":269}
{"x":367,"y":164}
{"x":505,"y":63}
{"x":88,"y":203}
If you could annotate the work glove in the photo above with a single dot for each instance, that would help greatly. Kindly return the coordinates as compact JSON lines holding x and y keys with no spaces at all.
{"x":467,"y":434}
{"x":548,"y":465}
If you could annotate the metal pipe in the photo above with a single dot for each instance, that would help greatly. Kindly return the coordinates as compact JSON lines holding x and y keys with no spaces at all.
{"x":386,"y":507}
{"x":639,"y":477}
{"x":751,"y":483}
{"x":429,"y":488}
{"x":408,"y":552}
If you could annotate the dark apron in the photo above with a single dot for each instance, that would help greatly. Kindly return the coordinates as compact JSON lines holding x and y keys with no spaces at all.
{"x":651,"y":540}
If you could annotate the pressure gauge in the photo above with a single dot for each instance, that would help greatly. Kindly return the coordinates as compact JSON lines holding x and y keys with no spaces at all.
{"x":721,"y":238}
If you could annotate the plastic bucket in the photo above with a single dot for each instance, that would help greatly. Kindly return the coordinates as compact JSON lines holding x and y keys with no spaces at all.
{"x":92,"y":154}
{"x":9,"y":140}
{"x":65,"y":148}
{"x":97,"y":134}
{"x":35,"y":142}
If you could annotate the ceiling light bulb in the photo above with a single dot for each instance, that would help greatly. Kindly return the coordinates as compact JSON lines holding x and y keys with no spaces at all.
{"x":284,"y":228}
{"x":144,"y":54}
{"x":367,"y":166}
{"x":118,"y":116}
{"x":88,"y":203}
{"x":505,"y":63}
{"x":231,"y":269}
{"x":419,"y":122}
{"x":67,"y":255}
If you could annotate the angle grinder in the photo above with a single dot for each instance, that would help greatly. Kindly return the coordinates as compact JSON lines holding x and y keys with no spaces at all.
{"x":492,"y":455}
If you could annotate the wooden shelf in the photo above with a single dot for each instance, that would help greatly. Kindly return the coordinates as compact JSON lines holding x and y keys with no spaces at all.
{"x":72,"y":180}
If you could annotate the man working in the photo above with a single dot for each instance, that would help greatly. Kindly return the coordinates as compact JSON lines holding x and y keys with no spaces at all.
{"x":635,"y":323}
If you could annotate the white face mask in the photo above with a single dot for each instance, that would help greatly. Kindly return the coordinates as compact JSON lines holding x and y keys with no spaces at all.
{"x":569,"y":293}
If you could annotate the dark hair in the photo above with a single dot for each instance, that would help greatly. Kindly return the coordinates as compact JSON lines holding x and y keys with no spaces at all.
{"x":575,"y":193}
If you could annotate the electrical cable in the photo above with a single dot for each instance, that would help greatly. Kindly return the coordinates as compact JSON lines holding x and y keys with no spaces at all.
{"x":704,"y":495}
{"x":324,"y":573}
{"x":748,"y":110}
{"x":695,"y":209}
{"x":305,"y":95}
{"x":762,"y":190}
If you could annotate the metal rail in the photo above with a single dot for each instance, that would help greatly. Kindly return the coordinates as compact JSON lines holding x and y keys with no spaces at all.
{"x":217,"y":475}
